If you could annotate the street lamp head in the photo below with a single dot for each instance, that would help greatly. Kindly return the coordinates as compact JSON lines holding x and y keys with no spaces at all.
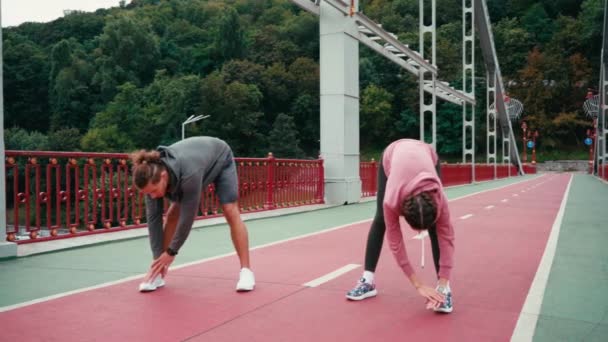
{"x":191,"y":119}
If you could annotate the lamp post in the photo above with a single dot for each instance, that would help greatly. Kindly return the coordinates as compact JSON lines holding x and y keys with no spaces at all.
{"x":591,"y":107}
{"x":590,"y":141}
{"x":524,"y":127}
{"x":533,"y":137}
{"x":189,"y":120}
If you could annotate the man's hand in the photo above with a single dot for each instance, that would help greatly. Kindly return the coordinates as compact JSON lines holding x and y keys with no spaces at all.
{"x":159,"y":266}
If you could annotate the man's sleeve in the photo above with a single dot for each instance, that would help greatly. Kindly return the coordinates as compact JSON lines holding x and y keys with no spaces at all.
{"x":154,"y":216}
{"x":188,"y":208}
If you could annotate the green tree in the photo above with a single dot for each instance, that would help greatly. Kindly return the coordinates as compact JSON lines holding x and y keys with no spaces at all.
{"x":407,"y":124}
{"x":277,"y":87}
{"x":512,"y":44}
{"x":283,"y":138}
{"x":449,"y":129}
{"x":305,"y":111}
{"x":107,"y":139}
{"x":128,"y":52}
{"x":243,"y":71}
{"x":591,"y":19}
{"x":69,"y":87}
{"x":25,"y":84}
{"x":271,"y":48}
{"x":562,"y":7}
{"x":168,"y":102}
{"x":116,"y":128}
{"x":67,"y":139}
{"x":376,"y":107}
{"x":230,"y":41}
{"x":16,"y":138}
{"x":305,"y":72}
{"x":235,"y":110}
{"x":538,"y":24}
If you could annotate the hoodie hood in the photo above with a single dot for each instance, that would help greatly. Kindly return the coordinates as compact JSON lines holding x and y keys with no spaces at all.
{"x":169,"y":158}
{"x":424,"y":181}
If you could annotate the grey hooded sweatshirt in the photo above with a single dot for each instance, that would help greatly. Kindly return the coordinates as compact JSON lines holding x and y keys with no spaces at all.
{"x":193,"y":164}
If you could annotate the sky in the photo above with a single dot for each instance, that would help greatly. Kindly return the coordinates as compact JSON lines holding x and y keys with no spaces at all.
{"x":15,"y":12}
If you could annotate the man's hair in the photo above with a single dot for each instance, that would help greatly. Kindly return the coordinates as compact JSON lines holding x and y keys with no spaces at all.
{"x":147,"y":167}
{"x":420,"y":211}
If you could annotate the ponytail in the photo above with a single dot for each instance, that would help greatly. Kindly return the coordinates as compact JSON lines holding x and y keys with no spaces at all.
{"x":147,"y":167}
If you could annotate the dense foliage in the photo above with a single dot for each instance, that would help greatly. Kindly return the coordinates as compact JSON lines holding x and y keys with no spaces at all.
{"x":127,"y":77}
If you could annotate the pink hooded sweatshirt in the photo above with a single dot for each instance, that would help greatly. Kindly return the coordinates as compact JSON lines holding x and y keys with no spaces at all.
{"x":410,"y":169}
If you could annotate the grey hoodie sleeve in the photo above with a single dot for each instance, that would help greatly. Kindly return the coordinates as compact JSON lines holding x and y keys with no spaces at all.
{"x":154,"y":216}
{"x":188,"y":207}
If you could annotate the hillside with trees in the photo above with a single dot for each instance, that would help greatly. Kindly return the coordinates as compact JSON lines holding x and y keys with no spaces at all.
{"x":125,"y":78}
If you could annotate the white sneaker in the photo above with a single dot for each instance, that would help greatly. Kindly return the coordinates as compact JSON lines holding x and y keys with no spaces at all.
{"x":246,"y":280}
{"x":153,"y":285}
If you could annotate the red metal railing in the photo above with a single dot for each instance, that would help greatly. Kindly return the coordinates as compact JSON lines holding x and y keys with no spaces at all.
{"x":459,"y":174}
{"x":53,"y":195}
{"x":529,"y":169}
{"x":368,"y":172}
{"x":451,"y":174}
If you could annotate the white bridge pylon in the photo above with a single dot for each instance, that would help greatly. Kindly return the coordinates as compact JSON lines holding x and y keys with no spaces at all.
{"x":342,"y":29}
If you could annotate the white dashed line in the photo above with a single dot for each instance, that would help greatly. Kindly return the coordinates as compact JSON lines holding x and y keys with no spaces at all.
{"x":466,"y":216}
{"x":329,"y":276}
{"x":489,"y":207}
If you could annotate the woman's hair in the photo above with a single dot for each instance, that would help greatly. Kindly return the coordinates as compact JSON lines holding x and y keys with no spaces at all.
{"x":420,"y":211}
{"x":147,"y":167}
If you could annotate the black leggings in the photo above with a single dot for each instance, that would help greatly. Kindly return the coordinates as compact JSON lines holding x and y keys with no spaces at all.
{"x":376,"y":232}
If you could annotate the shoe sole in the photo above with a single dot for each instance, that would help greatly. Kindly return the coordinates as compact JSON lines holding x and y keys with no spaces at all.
{"x":444,"y":310}
{"x":369,"y":294}
{"x":148,"y":289}
{"x":151,"y":289}
{"x":245,"y":289}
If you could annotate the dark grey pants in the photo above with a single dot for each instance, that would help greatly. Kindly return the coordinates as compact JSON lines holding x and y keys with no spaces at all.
{"x":375,"y":237}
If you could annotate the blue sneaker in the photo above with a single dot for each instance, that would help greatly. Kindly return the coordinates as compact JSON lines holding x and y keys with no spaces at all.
{"x":447,"y":306}
{"x":362,"y":290}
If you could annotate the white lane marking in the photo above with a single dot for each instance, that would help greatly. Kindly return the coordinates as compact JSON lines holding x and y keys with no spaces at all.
{"x":523,"y":191}
{"x":466,"y":216}
{"x":489,"y":207}
{"x":526,"y":323}
{"x":505,"y":200}
{"x":421,"y":235}
{"x":515,"y":195}
{"x":332,"y":275}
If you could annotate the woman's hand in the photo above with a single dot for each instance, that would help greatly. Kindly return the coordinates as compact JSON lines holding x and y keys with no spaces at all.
{"x":433,"y":298}
{"x":160,"y":266}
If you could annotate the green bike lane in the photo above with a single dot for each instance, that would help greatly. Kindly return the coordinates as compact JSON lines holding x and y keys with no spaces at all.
{"x":49,"y":274}
{"x":575,"y":305}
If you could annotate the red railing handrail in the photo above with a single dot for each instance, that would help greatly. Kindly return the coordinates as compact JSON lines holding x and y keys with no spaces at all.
{"x":95,"y":190}
{"x":71,"y":190}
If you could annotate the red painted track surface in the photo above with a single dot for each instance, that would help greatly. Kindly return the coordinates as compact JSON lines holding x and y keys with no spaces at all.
{"x":497,"y":254}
